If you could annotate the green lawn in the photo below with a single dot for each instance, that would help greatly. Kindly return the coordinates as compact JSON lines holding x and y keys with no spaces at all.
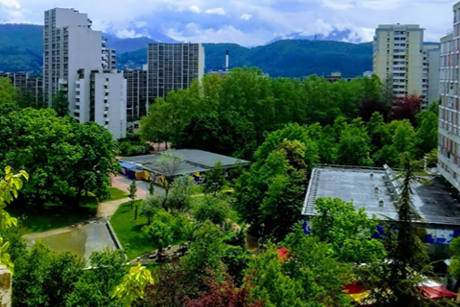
{"x":129,"y":231}
{"x":116,"y":194}
{"x":39,"y":219}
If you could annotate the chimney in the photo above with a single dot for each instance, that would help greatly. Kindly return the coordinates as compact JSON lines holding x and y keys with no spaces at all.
{"x":227,"y":59}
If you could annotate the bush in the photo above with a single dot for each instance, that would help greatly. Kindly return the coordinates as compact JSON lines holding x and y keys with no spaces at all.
{"x":132,"y":146}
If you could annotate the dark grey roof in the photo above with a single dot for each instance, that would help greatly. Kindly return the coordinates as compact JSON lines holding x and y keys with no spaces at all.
{"x":194,"y":161}
{"x":434,"y":202}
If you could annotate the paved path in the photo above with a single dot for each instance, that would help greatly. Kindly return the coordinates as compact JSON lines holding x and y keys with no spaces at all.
{"x":109,"y":208}
{"x":146,"y":259}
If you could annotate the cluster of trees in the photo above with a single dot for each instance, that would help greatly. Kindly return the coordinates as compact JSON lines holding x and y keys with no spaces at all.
{"x":132,"y":145}
{"x":269,"y":196}
{"x":64,"y":158}
{"x":233,"y":115}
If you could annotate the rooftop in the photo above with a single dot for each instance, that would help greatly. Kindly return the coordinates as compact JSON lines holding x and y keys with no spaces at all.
{"x":368,"y":187}
{"x":194,"y":161}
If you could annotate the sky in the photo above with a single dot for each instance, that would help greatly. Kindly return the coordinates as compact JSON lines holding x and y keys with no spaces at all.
{"x":245,"y":22}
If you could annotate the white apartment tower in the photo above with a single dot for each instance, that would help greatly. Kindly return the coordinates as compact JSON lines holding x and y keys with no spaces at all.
{"x":401,"y":59}
{"x":72,"y":52}
{"x":449,"y":112}
{"x":173,"y":67}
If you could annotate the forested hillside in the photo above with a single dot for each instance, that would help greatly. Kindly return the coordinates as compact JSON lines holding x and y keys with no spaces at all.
{"x":21,"y":48}
{"x":287,"y":58}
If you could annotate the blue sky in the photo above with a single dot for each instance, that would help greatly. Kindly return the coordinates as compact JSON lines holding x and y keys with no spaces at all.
{"x":248,"y":22}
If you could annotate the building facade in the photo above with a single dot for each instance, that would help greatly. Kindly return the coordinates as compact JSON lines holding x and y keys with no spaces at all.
{"x":172,"y":67}
{"x":449,"y":113}
{"x":32,"y":86}
{"x":72,"y":52}
{"x":136,"y":100}
{"x":401,"y":59}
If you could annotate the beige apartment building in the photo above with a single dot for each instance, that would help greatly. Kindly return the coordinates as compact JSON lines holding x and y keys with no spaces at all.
{"x":401,"y":58}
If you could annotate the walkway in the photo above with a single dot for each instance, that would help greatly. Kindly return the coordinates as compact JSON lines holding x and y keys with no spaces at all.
{"x":108,"y":208}
{"x":146,"y":258}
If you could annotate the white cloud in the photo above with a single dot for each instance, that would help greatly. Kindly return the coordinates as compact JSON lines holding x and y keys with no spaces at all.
{"x":227,"y":33}
{"x":10,"y":3}
{"x":124,"y":33}
{"x":246,"y":16}
{"x":217,"y":10}
{"x":195,"y":9}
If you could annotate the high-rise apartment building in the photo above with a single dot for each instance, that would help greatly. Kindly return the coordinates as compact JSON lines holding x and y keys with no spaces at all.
{"x":172,"y":67}
{"x":449,"y":112}
{"x":401,"y":59}
{"x":136,"y":100}
{"x":32,"y":86}
{"x":73,"y":51}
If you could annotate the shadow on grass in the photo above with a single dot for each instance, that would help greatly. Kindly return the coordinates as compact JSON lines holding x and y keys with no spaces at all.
{"x":49,"y":217}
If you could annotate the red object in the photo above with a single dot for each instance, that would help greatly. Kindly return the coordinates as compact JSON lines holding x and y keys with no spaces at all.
{"x":283,"y":252}
{"x":437,"y":293}
{"x":353,"y":288}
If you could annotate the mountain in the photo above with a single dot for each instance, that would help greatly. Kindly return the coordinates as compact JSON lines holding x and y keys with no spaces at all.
{"x":285,"y":58}
{"x":295,"y":58}
{"x":346,"y":35}
{"x":21,"y":48}
{"x":122,"y":45}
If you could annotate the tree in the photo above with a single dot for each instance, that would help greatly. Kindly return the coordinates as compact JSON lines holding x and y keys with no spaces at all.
{"x":407,"y":107}
{"x":132,"y":287}
{"x":172,"y":287}
{"x":349,"y":232}
{"x":44,"y":278}
{"x":272,"y":193}
{"x":132,"y":189}
{"x":60,"y":103}
{"x":378,"y":132}
{"x":7,"y":91}
{"x":10,"y":185}
{"x":179,"y":197}
{"x":393,"y":281}
{"x":309,"y":276}
{"x":63,"y":158}
{"x":426,"y":137}
{"x":214,"y":209}
{"x":215,"y":179}
{"x":454,"y":268}
{"x":150,"y":206}
{"x":160,"y":234}
{"x":151,"y":188}
{"x":354,"y":147}
{"x":95,"y":286}
{"x":206,"y":252}
{"x":225,"y":294}
{"x":168,"y":164}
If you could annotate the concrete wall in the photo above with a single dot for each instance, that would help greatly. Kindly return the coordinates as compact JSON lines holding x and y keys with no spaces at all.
{"x":5,"y":287}
{"x":110,"y":102}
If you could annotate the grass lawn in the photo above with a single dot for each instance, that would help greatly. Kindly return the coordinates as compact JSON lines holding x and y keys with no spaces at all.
{"x":39,"y":219}
{"x":129,"y":231}
{"x":116,"y":194}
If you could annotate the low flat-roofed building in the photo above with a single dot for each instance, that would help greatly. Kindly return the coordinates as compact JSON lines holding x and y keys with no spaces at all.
{"x":376,"y":190}
{"x":195,"y":161}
